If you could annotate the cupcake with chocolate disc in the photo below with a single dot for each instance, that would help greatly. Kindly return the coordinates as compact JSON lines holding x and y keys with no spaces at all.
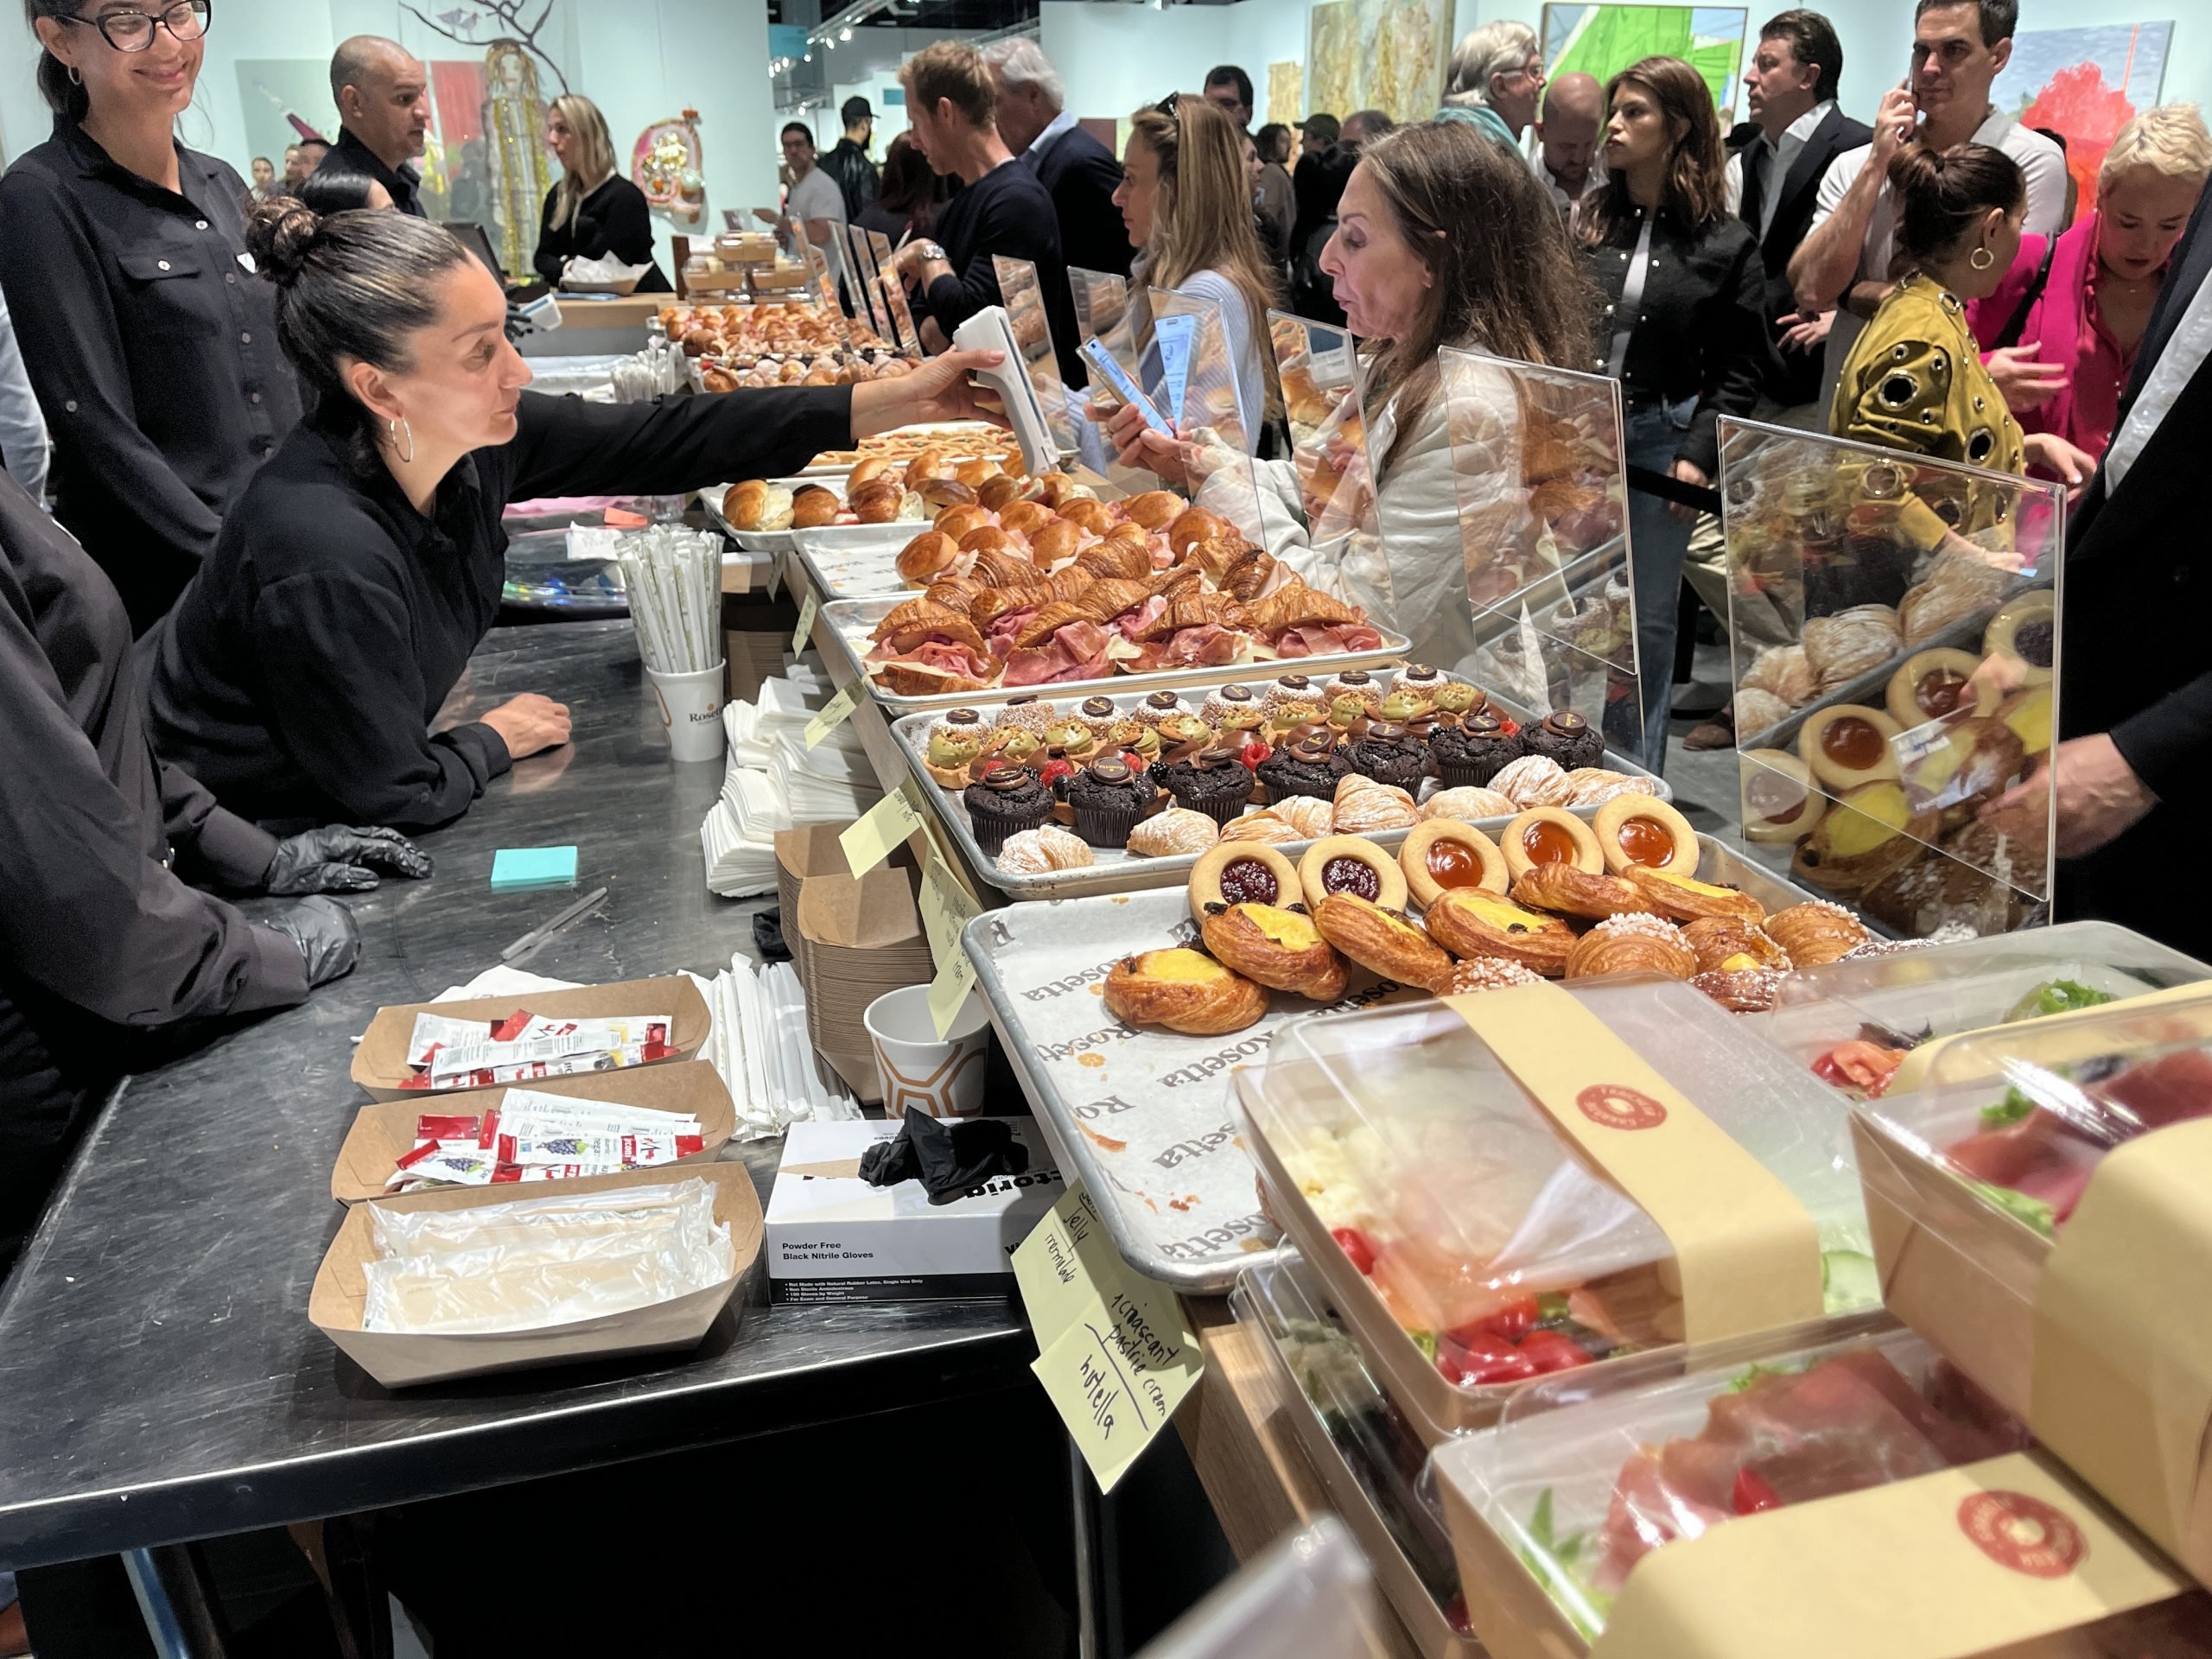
{"x":1354,"y":683}
{"x":1292,"y":689}
{"x":1071,"y":737}
{"x":1108,"y":796}
{"x":1158,"y":707}
{"x":1029,"y":711}
{"x":953,"y":741}
{"x":1212,"y":781}
{"x":1389,"y":754}
{"x":1566,"y":738}
{"x":1456,"y":700}
{"x":1307,"y":766}
{"x":1100,"y":714}
{"x":1241,"y":724}
{"x":1005,"y":802}
{"x":1472,"y":753}
{"x":1225,"y":701}
{"x":1348,"y":715}
{"x":1403,"y":703}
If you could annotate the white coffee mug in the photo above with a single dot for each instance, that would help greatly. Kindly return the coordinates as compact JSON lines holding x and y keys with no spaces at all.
{"x":941,"y":1077}
{"x":691,"y":709}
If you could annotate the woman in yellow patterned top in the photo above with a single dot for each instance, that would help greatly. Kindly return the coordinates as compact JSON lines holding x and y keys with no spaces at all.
{"x":1915,"y":378}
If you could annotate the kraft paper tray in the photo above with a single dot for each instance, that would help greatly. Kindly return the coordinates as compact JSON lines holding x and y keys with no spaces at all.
{"x":1149,"y":1128}
{"x":1115,"y":870}
{"x":849,"y":621}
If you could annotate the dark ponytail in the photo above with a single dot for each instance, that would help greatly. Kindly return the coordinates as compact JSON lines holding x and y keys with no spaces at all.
{"x":63,"y":96}
{"x":1942,"y":193}
{"x":352,"y":286}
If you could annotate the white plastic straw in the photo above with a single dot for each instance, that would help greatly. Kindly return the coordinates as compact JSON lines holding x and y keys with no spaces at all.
{"x":674,"y":580}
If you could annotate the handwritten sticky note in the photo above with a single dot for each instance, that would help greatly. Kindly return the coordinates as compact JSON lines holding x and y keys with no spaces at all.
{"x":946,"y":911}
{"x":834,"y":712}
{"x":804,"y":632}
{"x":1114,"y":1353}
{"x":949,"y":990}
{"x":881,"y":830}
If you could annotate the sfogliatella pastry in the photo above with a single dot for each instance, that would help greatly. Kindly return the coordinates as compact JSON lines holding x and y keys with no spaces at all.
{"x":1816,"y":932}
{"x":1566,"y":890}
{"x":1044,"y":849}
{"x":1550,"y":835}
{"x":1183,"y":991}
{"x":1241,"y":873}
{"x":1729,"y":943}
{"x":1348,"y":864}
{"x":1441,"y":854}
{"x":1527,"y":778}
{"x":1643,"y":831}
{"x":1310,"y":816}
{"x":1382,"y":940}
{"x":1780,"y":803}
{"x":1277,"y":947}
{"x":1840,"y":648}
{"x":1631,"y":945}
{"x":1178,"y":831}
{"x":1473,"y":922}
{"x":1785,"y":673}
{"x":1364,"y":807}
{"x":1758,"y":711}
{"x":1469,"y":805}
{"x":1268,"y":828}
{"x":1594,"y":786}
{"x":1681,"y":899}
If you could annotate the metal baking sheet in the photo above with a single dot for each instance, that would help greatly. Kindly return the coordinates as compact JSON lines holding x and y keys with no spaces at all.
{"x":1113,"y":870}
{"x":850,"y":619}
{"x":1143,"y":1116}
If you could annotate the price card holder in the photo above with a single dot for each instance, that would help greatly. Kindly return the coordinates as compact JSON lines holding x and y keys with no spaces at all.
{"x":1321,"y":391}
{"x":882,"y":830}
{"x":834,"y":712}
{"x":865,"y":281}
{"x":1024,"y":298}
{"x":1101,"y":310}
{"x":893,"y":293}
{"x":804,"y":634}
{"x":1114,"y":1353}
{"x":1186,"y":366}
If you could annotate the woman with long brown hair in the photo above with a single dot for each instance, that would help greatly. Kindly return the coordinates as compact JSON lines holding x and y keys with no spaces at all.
{"x":593,"y":211}
{"x":1186,"y":204}
{"x":1681,"y":327}
{"x":1411,"y":280}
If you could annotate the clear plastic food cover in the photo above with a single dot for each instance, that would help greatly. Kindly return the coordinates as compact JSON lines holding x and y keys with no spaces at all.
{"x":542,"y":1261}
{"x":1101,"y":310}
{"x":864,"y":286}
{"x":893,"y":293}
{"x":1309,"y":1597}
{"x":1024,"y":299}
{"x":1857,"y":1022}
{"x":1893,"y":625}
{"x":1516,"y":532}
{"x":1585,"y":1474}
{"x":1474,"y":1219}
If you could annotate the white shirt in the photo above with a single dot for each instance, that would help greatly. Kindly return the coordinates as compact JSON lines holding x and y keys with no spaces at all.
{"x":815,"y":196}
{"x":1778,"y":159}
{"x":1063,"y":121}
{"x":2043,"y":162}
{"x":22,"y":430}
{"x":2187,"y":347}
{"x":1567,"y":203}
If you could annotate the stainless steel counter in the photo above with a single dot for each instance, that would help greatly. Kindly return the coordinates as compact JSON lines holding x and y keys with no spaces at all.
{"x":159,"y":1380}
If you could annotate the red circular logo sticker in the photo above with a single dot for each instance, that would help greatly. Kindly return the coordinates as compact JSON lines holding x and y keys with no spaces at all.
{"x":1618,"y":1107}
{"x":2023,"y":1533}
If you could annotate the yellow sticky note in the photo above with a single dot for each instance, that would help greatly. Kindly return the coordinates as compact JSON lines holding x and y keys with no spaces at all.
{"x":1115,"y":1356}
{"x":880,"y":832}
{"x":834,"y":712}
{"x":946,"y":911}
{"x":807,"y":612}
{"x":949,"y":991}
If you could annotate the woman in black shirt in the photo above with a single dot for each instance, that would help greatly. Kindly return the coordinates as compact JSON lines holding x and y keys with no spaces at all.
{"x":593,"y":211}
{"x":151,"y":348}
{"x":299,"y":674}
{"x":1681,"y":327}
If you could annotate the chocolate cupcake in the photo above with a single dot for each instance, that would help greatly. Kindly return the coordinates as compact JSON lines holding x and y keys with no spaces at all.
{"x":1007,"y":801}
{"x":1470,"y":755}
{"x":1100,"y":714}
{"x":1228,"y":699}
{"x":1566,"y":738}
{"x":1308,"y":765}
{"x":1109,"y":798}
{"x":1213,"y":781}
{"x":1389,"y":754}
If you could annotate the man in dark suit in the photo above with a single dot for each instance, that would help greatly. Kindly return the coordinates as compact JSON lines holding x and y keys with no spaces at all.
{"x":1079,"y":172}
{"x":1775,"y":165}
{"x":2133,"y":769}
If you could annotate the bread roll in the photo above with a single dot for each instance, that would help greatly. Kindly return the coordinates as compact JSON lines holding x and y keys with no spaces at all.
{"x":813,"y":507}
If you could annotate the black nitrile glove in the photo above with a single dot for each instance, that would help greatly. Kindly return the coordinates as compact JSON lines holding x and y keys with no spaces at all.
{"x":335,"y":859}
{"x":948,"y":1158}
{"x":328,"y":936}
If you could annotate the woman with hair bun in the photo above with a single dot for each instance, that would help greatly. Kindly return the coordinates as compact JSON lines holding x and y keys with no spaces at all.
{"x":299,"y":673}
{"x":1914,"y":379}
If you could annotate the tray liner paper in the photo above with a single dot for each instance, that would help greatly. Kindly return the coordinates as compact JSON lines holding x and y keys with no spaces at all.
{"x":2122,"y":1382}
{"x":1747,"y":1252}
{"x":1963,"y":1561}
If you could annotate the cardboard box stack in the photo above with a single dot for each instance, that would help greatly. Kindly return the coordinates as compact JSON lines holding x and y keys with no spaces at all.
{"x":852,"y":938}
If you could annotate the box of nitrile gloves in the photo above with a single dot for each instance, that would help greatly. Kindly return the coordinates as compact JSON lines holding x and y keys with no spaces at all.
{"x":831,"y":1237}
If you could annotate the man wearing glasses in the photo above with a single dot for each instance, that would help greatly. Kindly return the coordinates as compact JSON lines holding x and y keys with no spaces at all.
{"x":151,"y":347}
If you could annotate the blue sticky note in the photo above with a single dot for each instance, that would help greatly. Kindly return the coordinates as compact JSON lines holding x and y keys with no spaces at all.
{"x":514,"y":868}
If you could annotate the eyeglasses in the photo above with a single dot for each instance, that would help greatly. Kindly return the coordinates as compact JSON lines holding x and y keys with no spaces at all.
{"x":133,"y":31}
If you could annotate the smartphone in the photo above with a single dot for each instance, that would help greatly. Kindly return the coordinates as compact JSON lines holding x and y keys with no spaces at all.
{"x":1100,"y":359}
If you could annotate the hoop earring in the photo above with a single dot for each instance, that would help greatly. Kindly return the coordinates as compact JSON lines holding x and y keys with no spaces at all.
{"x":76,"y":76}
{"x":1981,"y":258}
{"x":392,"y":429}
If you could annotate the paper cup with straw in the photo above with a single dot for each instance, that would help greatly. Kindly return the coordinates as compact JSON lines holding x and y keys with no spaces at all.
{"x":674,"y":580}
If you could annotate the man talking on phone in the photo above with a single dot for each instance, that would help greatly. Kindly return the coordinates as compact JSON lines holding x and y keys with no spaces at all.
{"x":1959,"y":47}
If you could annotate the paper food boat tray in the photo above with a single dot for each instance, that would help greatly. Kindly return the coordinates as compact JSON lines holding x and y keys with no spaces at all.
{"x":383,"y":1132}
{"x":399,"y":1360}
{"x":849,"y":621}
{"x":380,"y":1061}
{"x":1143,"y":1116}
{"x":1113,"y":869}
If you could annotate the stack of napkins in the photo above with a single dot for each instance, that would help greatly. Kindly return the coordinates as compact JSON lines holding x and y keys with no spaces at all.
{"x":774,"y":782}
{"x":758,"y":1045}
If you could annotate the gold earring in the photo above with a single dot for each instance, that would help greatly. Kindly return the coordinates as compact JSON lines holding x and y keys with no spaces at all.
{"x":1981,"y":258}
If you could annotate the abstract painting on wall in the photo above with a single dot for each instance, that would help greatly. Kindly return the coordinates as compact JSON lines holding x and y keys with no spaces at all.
{"x":1377,"y":54}
{"x":1603,"y":40}
{"x":1286,"y":93}
{"x":2086,"y":84}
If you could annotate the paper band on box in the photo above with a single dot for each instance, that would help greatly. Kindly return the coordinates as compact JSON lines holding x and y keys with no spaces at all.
{"x":2122,"y":1382}
{"x":1747,"y":1253}
{"x":1966,"y":1560}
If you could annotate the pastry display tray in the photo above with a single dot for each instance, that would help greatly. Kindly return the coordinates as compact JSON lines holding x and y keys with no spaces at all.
{"x":868,"y":544}
{"x":1115,"y":870}
{"x":1143,"y":1116}
{"x":850,"y":619}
